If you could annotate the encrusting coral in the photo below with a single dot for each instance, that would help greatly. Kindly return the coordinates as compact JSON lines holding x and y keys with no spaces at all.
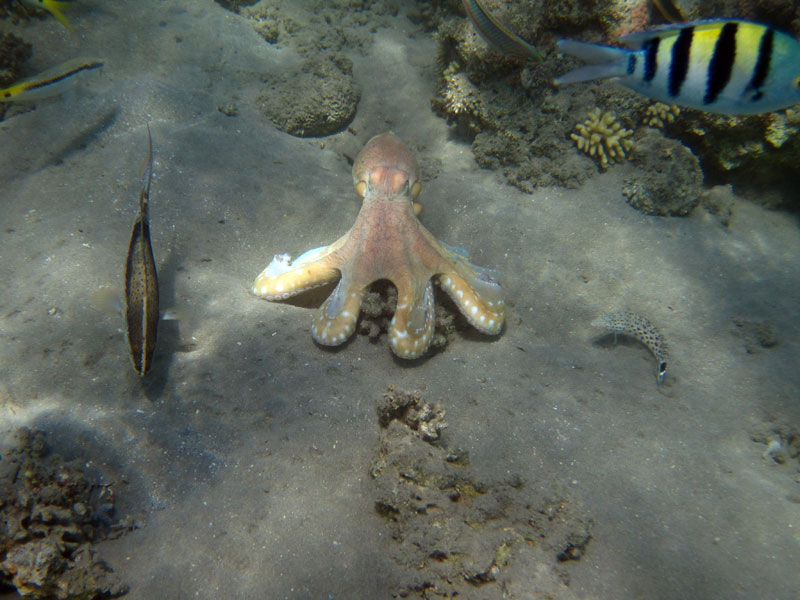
{"x":602,"y":136}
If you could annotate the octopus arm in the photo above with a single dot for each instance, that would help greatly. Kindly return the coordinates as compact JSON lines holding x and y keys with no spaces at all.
{"x":284,"y":277}
{"x":478,"y":295}
{"x":336,"y":318}
{"x":411,"y":330}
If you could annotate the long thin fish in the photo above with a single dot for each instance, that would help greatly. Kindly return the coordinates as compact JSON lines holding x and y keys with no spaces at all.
{"x":51,"y":82}
{"x":497,"y":34}
{"x":141,"y":280}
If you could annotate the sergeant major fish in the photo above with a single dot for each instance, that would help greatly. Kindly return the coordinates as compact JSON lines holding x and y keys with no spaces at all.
{"x":141,"y":280}
{"x":51,"y":82}
{"x":719,"y":66}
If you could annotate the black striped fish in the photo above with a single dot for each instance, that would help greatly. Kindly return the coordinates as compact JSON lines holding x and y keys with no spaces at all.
{"x":719,"y":66}
{"x":141,"y":280}
{"x":51,"y":82}
{"x":497,"y":34}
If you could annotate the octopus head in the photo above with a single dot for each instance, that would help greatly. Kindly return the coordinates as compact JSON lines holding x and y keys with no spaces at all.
{"x":386,"y":169}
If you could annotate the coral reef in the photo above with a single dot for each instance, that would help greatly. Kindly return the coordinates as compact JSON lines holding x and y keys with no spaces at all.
{"x":318,"y":99}
{"x":660,"y":114}
{"x":671,"y":183}
{"x":782,"y":439}
{"x":516,"y":120}
{"x":51,"y":513}
{"x":603,"y":137}
{"x":455,"y":535}
{"x":14,"y":51}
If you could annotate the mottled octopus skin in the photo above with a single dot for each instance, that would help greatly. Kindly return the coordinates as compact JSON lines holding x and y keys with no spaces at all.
{"x":387,"y":241}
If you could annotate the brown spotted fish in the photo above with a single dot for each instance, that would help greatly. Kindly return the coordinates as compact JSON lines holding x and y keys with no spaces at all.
{"x":141,"y":280}
{"x":639,"y":327}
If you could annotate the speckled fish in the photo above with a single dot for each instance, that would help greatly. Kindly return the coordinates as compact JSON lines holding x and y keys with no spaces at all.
{"x":51,"y":82}
{"x":54,"y":7}
{"x":639,"y":327}
{"x":497,"y":34}
{"x":141,"y":280}
{"x":719,"y":66}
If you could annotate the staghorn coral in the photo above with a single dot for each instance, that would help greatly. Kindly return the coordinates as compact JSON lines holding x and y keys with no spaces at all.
{"x":659,"y":114}
{"x":602,"y":136}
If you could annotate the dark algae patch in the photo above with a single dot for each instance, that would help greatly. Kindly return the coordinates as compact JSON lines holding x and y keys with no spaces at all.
{"x":52,"y":515}
{"x":455,"y":534}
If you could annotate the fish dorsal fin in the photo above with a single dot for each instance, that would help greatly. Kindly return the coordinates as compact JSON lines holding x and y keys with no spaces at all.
{"x":638,"y":38}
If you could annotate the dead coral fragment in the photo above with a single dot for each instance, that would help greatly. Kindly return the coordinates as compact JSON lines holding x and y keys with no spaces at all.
{"x":659,"y":114}
{"x":602,"y":136}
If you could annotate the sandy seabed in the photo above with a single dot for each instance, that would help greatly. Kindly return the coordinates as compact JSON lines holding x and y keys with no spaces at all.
{"x":252,"y":460}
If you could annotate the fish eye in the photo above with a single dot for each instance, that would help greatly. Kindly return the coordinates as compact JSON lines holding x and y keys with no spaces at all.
{"x":796,"y":83}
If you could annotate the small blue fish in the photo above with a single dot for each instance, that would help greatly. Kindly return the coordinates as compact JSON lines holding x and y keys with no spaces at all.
{"x":498,"y":35}
{"x":718,"y":66}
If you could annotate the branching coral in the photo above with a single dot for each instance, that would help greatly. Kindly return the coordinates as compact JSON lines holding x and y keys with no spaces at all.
{"x":602,"y":136}
{"x":659,"y":114}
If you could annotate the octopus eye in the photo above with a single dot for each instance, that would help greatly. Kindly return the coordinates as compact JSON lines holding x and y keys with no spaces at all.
{"x":415,"y":190}
{"x":361,"y":188}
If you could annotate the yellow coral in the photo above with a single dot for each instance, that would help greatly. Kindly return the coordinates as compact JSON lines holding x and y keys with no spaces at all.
{"x":659,"y":114}
{"x":779,"y":130}
{"x":603,"y":137}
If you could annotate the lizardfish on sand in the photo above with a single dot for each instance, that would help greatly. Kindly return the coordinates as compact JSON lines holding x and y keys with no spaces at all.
{"x":497,"y":34}
{"x":718,"y":66}
{"x":141,"y":280}
{"x":53,"y":7}
{"x":51,"y":82}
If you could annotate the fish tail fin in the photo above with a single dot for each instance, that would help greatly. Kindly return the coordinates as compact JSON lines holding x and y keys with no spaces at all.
{"x":55,"y":10}
{"x":607,"y":61}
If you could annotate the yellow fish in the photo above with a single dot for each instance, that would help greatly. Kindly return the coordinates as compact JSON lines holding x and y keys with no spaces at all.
{"x":51,"y":82}
{"x":54,"y":8}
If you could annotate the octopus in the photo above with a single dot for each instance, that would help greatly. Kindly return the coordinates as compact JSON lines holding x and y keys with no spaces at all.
{"x":387,"y":242}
